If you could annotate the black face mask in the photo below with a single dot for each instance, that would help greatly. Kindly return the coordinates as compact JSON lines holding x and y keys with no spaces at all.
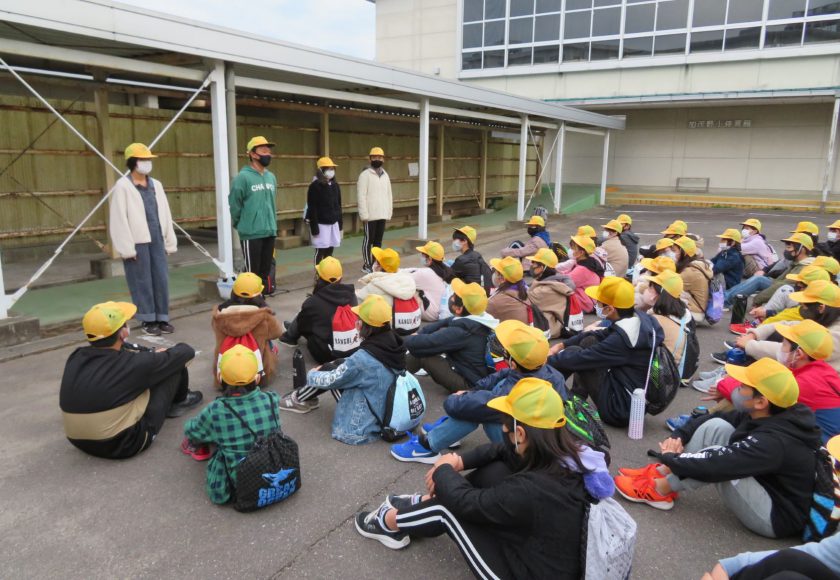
{"x":532,"y":232}
{"x":264,"y":160}
{"x":788,"y":255}
{"x":376,"y":164}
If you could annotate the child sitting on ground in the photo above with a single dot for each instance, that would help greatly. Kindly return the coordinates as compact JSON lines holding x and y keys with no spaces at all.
{"x":231,"y":421}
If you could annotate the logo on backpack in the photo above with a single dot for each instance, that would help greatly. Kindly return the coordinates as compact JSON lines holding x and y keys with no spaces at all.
{"x":282,"y":485}
{"x":406,"y":315}
{"x":574,"y":321}
{"x":345,"y":337}
{"x":405,"y":406}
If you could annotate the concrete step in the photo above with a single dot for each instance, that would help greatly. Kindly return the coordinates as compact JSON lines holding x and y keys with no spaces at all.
{"x":688,"y":200}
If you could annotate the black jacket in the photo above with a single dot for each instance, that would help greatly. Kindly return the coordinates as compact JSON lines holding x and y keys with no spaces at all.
{"x":630,"y":241}
{"x":98,"y":380}
{"x":467,"y":267}
{"x":622,"y":353}
{"x":323,"y":204}
{"x":462,"y":339}
{"x":533,"y":519}
{"x":778,"y":451}
{"x":828,"y":248}
{"x":314,"y":322}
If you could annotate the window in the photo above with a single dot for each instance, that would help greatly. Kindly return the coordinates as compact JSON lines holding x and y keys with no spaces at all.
{"x":548,"y":6}
{"x":606,"y":22}
{"x":709,"y":13}
{"x":707,"y":41}
{"x":785,"y":9}
{"x":521,"y":8}
{"x":642,"y":46}
{"x":577,"y":24}
{"x":745,"y":10}
{"x":822,"y":31}
{"x":669,"y":44}
{"x":639,"y":18}
{"x":578,"y":4}
{"x":472,"y":35}
{"x":738,"y":38}
{"x":471,"y":60}
{"x":605,"y":49}
{"x":494,"y":9}
{"x":783,"y":35}
{"x":521,"y":30}
{"x":820,"y":7}
{"x":494,"y":33}
{"x":547,"y":28}
{"x":543,"y":54}
{"x":473,"y":10}
{"x":672,"y":14}
{"x":519,"y":56}
{"x":607,"y":2}
{"x":494,"y":58}
{"x":576,"y":51}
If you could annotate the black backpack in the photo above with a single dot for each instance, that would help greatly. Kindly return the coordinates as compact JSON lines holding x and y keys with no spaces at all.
{"x":584,"y":423}
{"x":486,"y":275}
{"x":692,"y":352}
{"x":664,"y":381}
{"x":269,"y":473}
{"x":560,"y":251}
{"x":824,"y":513}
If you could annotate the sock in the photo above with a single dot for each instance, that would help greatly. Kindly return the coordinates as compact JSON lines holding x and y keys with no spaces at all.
{"x":380,"y":518}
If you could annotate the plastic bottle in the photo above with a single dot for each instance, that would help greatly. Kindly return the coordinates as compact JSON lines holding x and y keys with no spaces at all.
{"x":298,"y":369}
{"x":636,"y":428}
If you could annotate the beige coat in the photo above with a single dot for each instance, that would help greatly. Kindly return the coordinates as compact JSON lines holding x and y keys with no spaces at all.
{"x":696,"y":278}
{"x":616,"y":255}
{"x":671,"y":328}
{"x":127,"y":219}
{"x":373,"y":195}
{"x":505,"y":305}
{"x":551,"y":296}
{"x":240,"y":320}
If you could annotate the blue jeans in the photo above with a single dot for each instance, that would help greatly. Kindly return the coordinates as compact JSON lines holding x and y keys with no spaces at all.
{"x":747,"y":287}
{"x":452,"y":430}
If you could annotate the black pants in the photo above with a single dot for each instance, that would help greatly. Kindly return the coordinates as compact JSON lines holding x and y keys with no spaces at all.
{"x":374,"y":230}
{"x":321,"y":253}
{"x":258,"y":254}
{"x":480,"y":549}
{"x":440,"y":370}
{"x":787,"y":565}
{"x":172,"y":389}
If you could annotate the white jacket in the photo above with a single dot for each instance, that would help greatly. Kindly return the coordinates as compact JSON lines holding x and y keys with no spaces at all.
{"x":373,"y":195}
{"x":388,"y":285}
{"x":127,"y":219}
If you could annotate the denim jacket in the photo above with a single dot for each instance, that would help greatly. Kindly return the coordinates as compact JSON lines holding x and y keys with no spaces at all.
{"x":361,"y":379}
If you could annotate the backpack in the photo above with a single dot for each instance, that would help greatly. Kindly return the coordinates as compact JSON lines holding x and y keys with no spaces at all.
{"x":824,"y":512}
{"x":486,"y":275}
{"x":540,"y":211}
{"x":690,"y":348}
{"x":405,"y":406}
{"x":345,"y":337}
{"x":248,"y":341}
{"x":573,"y":319}
{"x":560,"y":251}
{"x":406,"y":315}
{"x":269,"y":473}
{"x":536,"y":317}
{"x":609,"y":539}
{"x":493,"y":358}
{"x":714,"y":307}
{"x":584,"y":422}
{"x":664,"y":381}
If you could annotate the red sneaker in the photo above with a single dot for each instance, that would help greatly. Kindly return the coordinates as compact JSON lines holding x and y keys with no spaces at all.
{"x":741,"y":329}
{"x":649,"y":471}
{"x":643,"y":490}
{"x":197,"y":452}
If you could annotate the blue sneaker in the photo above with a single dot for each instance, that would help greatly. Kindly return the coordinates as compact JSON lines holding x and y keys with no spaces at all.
{"x":426,"y":427}
{"x":411,"y":450}
{"x":675,"y":423}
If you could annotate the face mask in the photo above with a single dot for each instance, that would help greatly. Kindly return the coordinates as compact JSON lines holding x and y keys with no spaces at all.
{"x":329,"y":173}
{"x":424,"y":261}
{"x":376,"y":267}
{"x":650,"y":297}
{"x":143,"y":167}
{"x":739,"y":401}
{"x":457,"y":245}
{"x":264,"y":160}
{"x":376,"y":164}
{"x":723,"y":246}
{"x":599,"y":311}
{"x":670,"y":254}
{"x":789,"y":255}
{"x":498,"y":279}
{"x":784,"y":357}
{"x":127,"y":333}
{"x":533,"y":232}
{"x":745,"y":233}
{"x":605,"y":235}
{"x":831,"y":236}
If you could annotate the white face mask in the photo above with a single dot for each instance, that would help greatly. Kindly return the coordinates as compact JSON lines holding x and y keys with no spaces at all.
{"x":832,"y":236}
{"x":784,"y":357}
{"x":498,"y":279}
{"x":605,"y":234}
{"x":650,"y":297}
{"x":329,"y":173}
{"x":144,"y":167}
{"x":457,"y":245}
{"x":424,"y":261}
{"x":745,"y":233}
{"x":723,"y":246}
{"x":670,"y":254}
{"x":599,"y":311}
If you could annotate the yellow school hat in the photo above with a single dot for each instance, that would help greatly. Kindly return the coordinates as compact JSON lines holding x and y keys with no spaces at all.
{"x":659,"y":264}
{"x":584,"y":242}
{"x":663,"y":243}
{"x":536,"y":221}
{"x":257,"y":141}
{"x":527,"y":345}
{"x":731,"y":234}
{"x":238,"y":366}
{"x":374,"y":311}
{"x":670,"y":281}
{"x":468,"y":231}
{"x":546,"y":257}
{"x":818,"y":291}
{"x":432,"y":249}
{"x":675,"y":229}
{"x":809,"y":274}
{"x":614,"y":225}
{"x":388,"y":258}
{"x":828,"y":264}
{"x":104,"y":319}
{"x":687,"y":245}
{"x":800,"y":238}
{"x":835,"y":225}
{"x":806,"y":228}
{"x":472,"y":295}
{"x":810,"y":336}
{"x":329,"y":270}
{"x":587,"y":231}
{"x":509,"y":267}
{"x":376,"y":151}
{"x":139,"y":151}
{"x":624,"y":219}
{"x":770,"y":378}
{"x":532,"y":402}
{"x":325,"y":162}
{"x":753,"y":223}
{"x":248,"y":285}
{"x":614,"y":291}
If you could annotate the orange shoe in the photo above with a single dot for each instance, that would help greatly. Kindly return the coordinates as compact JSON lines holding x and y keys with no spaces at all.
{"x":650,"y":470}
{"x":643,"y":490}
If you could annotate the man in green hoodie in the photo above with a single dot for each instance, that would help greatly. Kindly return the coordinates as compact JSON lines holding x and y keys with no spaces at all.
{"x":253,"y":209}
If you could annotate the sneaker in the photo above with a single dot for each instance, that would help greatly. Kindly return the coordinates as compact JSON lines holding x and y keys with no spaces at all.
{"x":367,"y":524}
{"x":151,"y":328}
{"x":426,"y":427}
{"x":740,"y":329}
{"x":197,"y":452}
{"x":730,"y":344}
{"x":705,"y":385}
{"x":165,"y":327}
{"x":286,"y":341}
{"x":289,"y":402}
{"x":675,"y":423}
{"x":650,"y":470}
{"x":402,"y":502}
{"x":718,"y":357}
{"x":411,"y":450}
{"x":192,"y":399}
{"x":643,"y":490}
{"x":711,"y":374}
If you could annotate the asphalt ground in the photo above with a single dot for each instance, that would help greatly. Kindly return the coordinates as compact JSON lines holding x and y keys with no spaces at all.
{"x":64,"y":514}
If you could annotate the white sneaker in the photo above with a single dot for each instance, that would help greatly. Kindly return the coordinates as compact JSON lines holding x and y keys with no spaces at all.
{"x":704,"y":386}
{"x":715,"y":373}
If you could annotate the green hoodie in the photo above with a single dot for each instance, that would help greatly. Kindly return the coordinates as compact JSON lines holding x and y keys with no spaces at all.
{"x":252,"y":206}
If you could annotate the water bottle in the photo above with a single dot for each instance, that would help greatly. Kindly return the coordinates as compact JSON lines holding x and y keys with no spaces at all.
{"x":298,"y":370}
{"x":739,"y":309}
{"x":636,"y":428}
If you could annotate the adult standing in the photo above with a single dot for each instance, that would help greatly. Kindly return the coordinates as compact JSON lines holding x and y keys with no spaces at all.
{"x":323,"y":210}
{"x":253,"y":210}
{"x":140,"y":226}
{"x":376,"y":204}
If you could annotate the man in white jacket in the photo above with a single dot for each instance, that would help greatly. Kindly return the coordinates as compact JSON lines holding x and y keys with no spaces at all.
{"x":376,"y":204}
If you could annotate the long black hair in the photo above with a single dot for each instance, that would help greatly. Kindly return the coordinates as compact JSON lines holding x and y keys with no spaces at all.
{"x":547,"y":272}
{"x":667,"y":305}
{"x":234,"y":300}
{"x":549,"y":449}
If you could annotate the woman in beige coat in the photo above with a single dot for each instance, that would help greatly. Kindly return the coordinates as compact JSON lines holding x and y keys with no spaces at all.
{"x":696,"y":274}
{"x":510,"y":299}
{"x":550,"y":291}
{"x":616,"y":252}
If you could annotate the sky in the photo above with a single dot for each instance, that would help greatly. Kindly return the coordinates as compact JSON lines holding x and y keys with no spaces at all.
{"x":343,"y":26}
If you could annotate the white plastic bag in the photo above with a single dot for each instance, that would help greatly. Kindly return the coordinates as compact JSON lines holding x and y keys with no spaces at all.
{"x":611,"y":540}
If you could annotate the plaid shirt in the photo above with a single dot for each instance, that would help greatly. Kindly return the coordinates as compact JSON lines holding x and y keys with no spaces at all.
{"x":216,"y":424}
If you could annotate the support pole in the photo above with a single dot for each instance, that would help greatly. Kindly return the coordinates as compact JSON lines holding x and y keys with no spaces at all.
{"x":423,"y":220}
{"x":482,"y":180}
{"x":604,"y":166}
{"x":324,"y":134}
{"x":441,"y":151}
{"x":828,"y":178}
{"x":558,"y":167}
{"x":103,"y":123}
{"x":5,"y":303}
{"x":221,"y":160}
{"x":233,"y":146}
{"x":523,"y":168}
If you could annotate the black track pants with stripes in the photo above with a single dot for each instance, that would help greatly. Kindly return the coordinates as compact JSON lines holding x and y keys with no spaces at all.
{"x":374,"y":232}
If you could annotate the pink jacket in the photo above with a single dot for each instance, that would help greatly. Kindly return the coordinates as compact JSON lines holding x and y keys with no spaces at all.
{"x":583,"y":278}
{"x":757,"y":246}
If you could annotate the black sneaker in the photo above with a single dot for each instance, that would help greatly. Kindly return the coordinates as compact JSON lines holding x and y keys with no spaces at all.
{"x":403,"y":502}
{"x":719,"y":357}
{"x":193,"y":399}
{"x":367,"y":524}
{"x":166,"y":328}
{"x":285,"y":340}
{"x":152,"y":328}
